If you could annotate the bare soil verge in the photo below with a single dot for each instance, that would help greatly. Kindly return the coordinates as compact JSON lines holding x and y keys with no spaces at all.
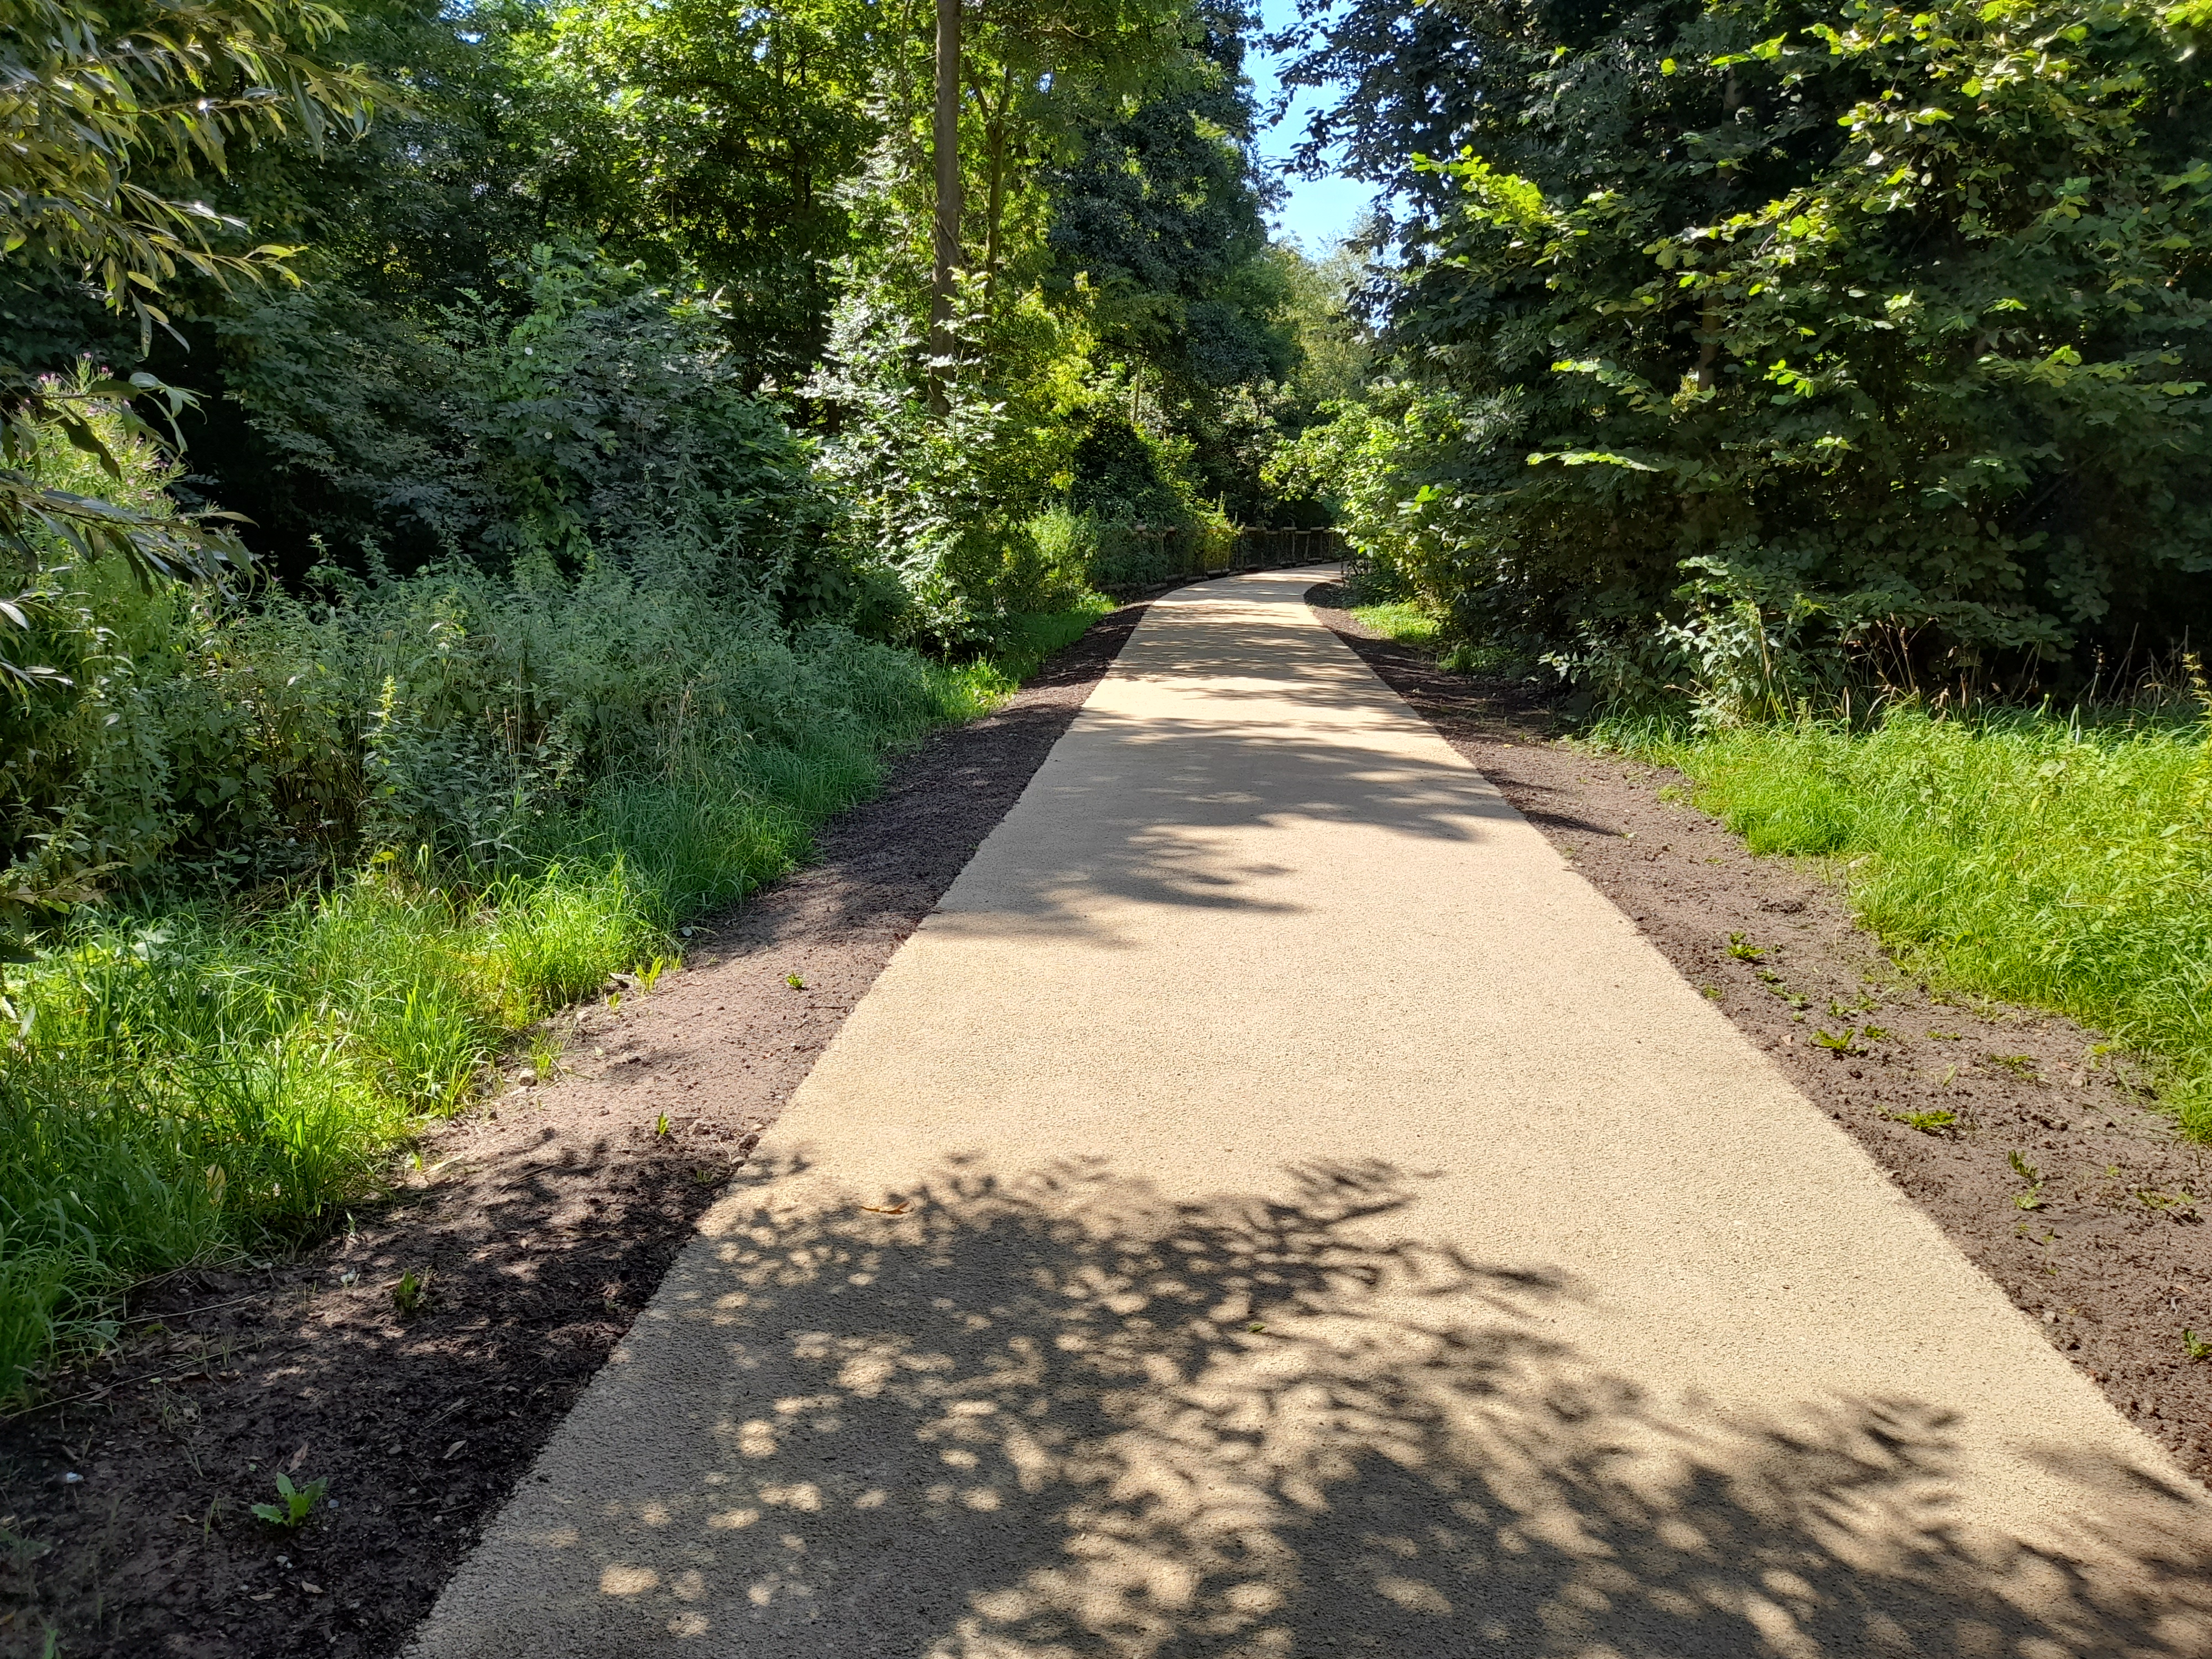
{"x":537,"y":1222}
{"x":2041,"y":1157}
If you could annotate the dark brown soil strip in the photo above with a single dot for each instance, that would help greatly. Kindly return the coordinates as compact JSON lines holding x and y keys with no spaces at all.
{"x":2109,"y":1254}
{"x":539,"y":1222}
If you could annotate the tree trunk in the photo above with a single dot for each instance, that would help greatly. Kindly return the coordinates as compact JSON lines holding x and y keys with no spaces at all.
{"x":1709,"y":325}
{"x":995,"y":210}
{"x":945,"y":223}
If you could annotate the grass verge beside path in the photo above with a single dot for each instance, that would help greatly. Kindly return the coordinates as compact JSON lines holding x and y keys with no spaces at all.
{"x":198,"y":1079}
{"x":2017,"y":855}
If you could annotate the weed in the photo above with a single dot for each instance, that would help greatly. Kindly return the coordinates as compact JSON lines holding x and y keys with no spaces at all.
{"x":2033,"y":1198}
{"x":1712,"y":991}
{"x":794,"y":982}
{"x":205,"y":1077}
{"x":2176,"y":1206}
{"x":1403,"y":622}
{"x":409,"y":1294}
{"x":1874,"y":1033}
{"x":2021,"y":1065}
{"x":649,"y":975}
{"x":1944,"y":1036}
{"x":1943,"y":1120}
{"x":295,"y":1505}
{"x":2192,"y":1347}
{"x":1743,"y":949}
{"x":660,"y":1127}
{"x":1838,"y":1043}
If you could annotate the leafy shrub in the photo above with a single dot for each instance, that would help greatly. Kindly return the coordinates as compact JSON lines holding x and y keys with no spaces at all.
{"x":1121,"y":556}
{"x":577,"y":416}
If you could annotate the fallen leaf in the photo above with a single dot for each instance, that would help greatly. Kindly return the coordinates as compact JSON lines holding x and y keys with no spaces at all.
{"x":885,"y":1209}
{"x":451,"y":1450}
{"x":299,"y":1456}
{"x":312,"y":1589}
{"x":266,"y":1595}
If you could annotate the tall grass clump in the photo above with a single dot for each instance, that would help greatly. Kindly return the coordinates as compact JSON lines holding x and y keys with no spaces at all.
{"x":192,"y":1077}
{"x":2021,"y":854}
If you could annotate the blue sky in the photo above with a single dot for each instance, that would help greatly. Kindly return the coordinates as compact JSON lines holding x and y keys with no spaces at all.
{"x":1319,"y":211}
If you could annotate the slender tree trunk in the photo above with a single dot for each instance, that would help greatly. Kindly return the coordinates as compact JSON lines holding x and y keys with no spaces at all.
{"x":1710,"y":323}
{"x":996,"y":209}
{"x":945,"y":224}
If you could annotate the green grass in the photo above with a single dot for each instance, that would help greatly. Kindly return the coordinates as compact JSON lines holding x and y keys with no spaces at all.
{"x":1404,"y":621}
{"x":1022,"y":643}
{"x":1409,"y":625}
{"x":196,"y":1081}
{"x":2022,"y":856}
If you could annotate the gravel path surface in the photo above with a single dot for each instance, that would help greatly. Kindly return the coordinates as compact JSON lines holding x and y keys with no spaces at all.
{"x":1275,"y":1207}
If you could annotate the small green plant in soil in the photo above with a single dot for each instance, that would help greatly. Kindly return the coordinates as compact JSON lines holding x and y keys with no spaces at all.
{"x":1740,"y":947}
{"x":544,"y":1056}
{"x":794,"y":982}
{"x":2193,"y":1346}
{"x":2179,"y":1206}
{"x":1838,"y":1043}
{"x":294,"y":1506}
{"x":2033,"y":1198}
{"x":1941,"y":1121}
{"x":409,"y":1294}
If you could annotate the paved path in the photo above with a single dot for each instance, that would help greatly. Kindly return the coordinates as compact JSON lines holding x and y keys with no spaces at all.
{"x":1276,"y":1208}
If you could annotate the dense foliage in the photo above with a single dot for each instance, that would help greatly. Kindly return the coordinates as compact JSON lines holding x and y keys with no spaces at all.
{"x":1754,"y":348}
{"x":478,"y":483}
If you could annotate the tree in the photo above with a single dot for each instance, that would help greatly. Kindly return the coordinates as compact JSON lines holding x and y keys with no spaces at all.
{"x":88,"y":112}
{"x":1757,"y":339}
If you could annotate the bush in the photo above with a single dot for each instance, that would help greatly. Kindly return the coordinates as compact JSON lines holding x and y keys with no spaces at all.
{"x":195,"y":1076}
{"x":1123,"y":555}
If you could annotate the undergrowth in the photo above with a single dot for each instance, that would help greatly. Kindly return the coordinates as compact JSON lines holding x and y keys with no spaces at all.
{"x":1401,"y":620}
{"x":1408,"y":624}
{"x":194,"y":1077}
{"x":2022,"y":855}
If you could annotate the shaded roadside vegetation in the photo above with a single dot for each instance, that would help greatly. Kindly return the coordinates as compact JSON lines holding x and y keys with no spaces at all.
{"x":481,"y":482}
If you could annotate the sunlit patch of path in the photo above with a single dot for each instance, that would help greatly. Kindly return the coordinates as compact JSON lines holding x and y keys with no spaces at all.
{"x":1275,"y":1208}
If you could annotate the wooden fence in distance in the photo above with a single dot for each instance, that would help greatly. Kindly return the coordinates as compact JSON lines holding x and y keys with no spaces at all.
{"x":1267,"y":549}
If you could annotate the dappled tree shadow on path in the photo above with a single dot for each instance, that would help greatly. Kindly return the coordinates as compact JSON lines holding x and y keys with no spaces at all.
{"x":1066,"y":1416}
